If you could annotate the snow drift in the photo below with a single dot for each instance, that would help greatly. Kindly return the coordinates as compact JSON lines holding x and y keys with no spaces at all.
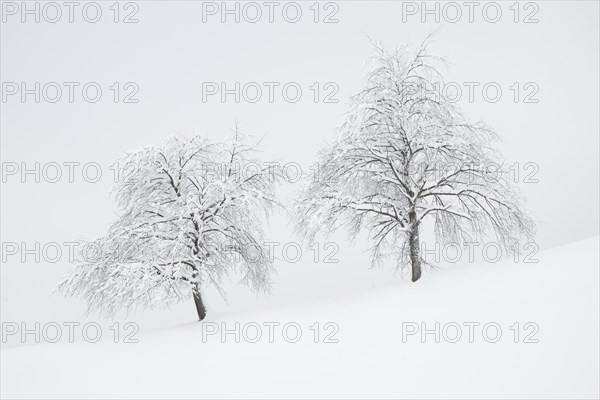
{"x":474,"y":331}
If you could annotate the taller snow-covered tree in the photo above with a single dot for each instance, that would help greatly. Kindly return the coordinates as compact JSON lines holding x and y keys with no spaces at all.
{"x":191,"y":212}
{"x":405,"y":155}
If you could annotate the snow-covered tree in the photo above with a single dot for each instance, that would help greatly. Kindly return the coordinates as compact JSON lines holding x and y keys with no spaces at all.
{"x":191,"y":212}
{"x":405,"y":155}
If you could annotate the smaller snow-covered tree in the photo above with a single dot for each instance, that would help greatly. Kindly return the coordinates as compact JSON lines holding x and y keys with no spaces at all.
{"x":405,"y":155}
{"x":191,"y":212}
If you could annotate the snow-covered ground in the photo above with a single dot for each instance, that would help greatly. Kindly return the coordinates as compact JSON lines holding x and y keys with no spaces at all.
{"x":555,"y":303}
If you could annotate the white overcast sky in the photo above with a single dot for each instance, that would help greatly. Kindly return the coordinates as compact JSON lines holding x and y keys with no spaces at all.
{"x":170,"y":52}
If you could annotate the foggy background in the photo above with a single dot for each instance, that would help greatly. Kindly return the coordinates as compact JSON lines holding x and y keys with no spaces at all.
{"x":170,"y":52}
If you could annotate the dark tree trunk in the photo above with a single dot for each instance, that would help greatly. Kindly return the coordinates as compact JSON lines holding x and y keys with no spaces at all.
{"x":199,"y":304}
{"x":414,"y":247}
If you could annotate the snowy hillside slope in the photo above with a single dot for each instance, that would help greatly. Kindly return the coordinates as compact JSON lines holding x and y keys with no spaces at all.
{"x":375,"y":354}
